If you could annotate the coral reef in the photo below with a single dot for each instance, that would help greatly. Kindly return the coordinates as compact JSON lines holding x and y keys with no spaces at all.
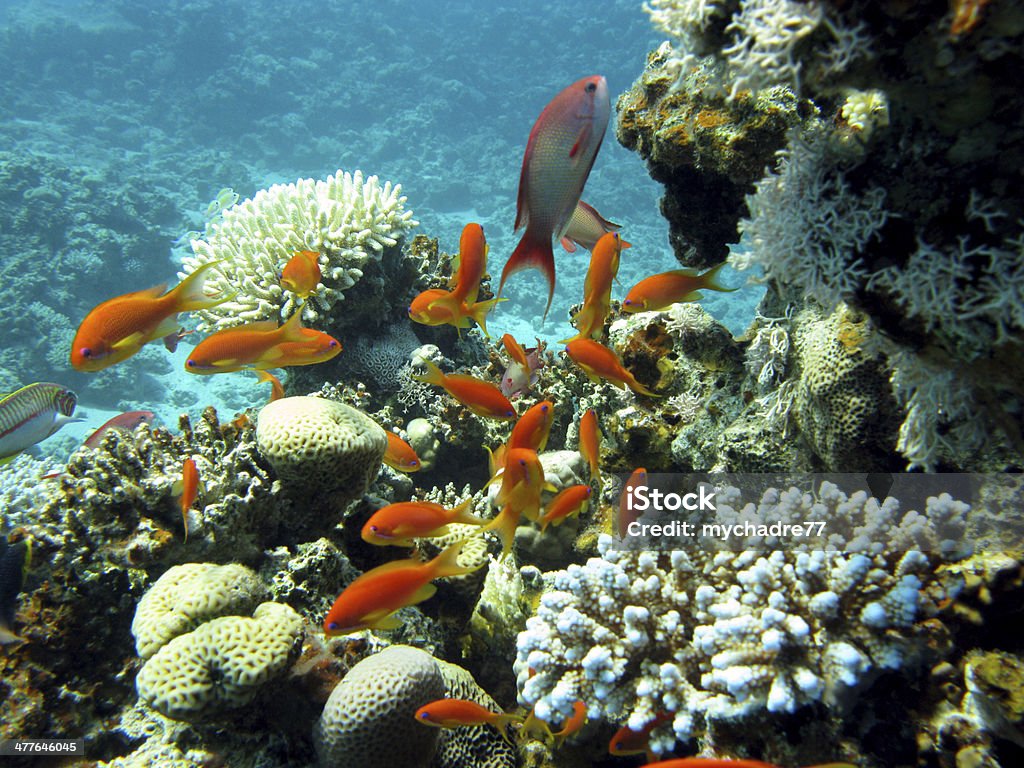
{"x":721,"y":637}
{"x":346,"y":220}
{"x":318,"y":445}
{"x":222,"y":664}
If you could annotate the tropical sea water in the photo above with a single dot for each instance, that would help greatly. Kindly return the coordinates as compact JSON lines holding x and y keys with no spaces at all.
{"x":122,"y":120}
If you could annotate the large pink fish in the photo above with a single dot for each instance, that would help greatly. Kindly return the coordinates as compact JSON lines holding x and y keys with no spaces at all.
{"x":559,"y":155}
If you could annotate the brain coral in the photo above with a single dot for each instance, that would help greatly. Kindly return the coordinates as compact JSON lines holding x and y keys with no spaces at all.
{"x":346,"y":220}
{"x":222,"y":664}
{"x":318,"y":444}
{"x":189,"y":594}
{"x":368,"y":720}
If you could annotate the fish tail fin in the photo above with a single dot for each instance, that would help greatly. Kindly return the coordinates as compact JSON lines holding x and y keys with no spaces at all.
{"x":536,"y":253}
{"x":434,"y":375}
{"x":190,"y":294}
{"x":709,"y":280}
{"x":504,"y":524}
{"x":447,"y":563}
{"x":640,"y":389}
{"x":479,"y":313}
{"x":465,"y":516}
{"x":502,"y":723}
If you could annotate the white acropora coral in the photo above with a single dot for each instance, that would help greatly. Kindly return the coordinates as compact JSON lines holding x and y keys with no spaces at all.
{"x":345,"y":219}
{"x":716,"y":636}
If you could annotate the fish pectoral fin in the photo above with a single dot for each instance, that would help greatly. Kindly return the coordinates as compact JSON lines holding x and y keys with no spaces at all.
{"x":130,"y":341}
{"x":390,"y":621}
{"x":582,"y":140}
{"x":425,"y":592}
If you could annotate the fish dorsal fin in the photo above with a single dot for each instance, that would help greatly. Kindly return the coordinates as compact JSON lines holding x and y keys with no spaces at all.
{"x":147,"y":293}
{"x":292,"y":328}
{"x":261,"y":326}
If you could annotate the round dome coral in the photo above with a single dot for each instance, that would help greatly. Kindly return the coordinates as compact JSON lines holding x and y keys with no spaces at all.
{"x":315,"y":444}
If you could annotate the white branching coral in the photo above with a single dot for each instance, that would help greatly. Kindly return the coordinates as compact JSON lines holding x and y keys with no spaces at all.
{"x":347,"y":220}
{"x":720,"y":636}
{"x":807,"y":225}
{"x":765,"y":39}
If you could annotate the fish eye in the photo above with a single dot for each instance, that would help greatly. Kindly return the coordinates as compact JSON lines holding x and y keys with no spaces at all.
{"x":627,"y":303}
{"x":522,"y":462}
{"x":424,"y":715}
{"x":414,"y":463}
{"x":544,"y":409}
{"x":85,"y":352}
{"x":191,"y":363}
{"x":333,"y":344}
{"x":591,"y":87}
{"x":510,"y":413}
{"x":374,"y":528}
{"x":332,"y":626}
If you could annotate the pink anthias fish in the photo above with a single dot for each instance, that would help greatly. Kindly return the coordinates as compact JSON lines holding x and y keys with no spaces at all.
{"x":559,"y":155}
{"x":517,"y":380}
{"x":586,"y":227}
{"x":123,"y":422}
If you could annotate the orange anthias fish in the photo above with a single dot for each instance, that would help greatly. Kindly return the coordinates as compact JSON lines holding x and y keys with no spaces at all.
{"x":472,"y":265}
{"x":123,"y":422}
{"x":371,"y":600}
{"x":515,"y":350}
{"x":597,"y":288}
{"x":629,"y":742}
{"x":454,"y":713}
{"x":668,"y":288}
{"x":600,"y":363}
{"x":482,"y":398}
{"x":436,"y":307}
{"x":400,"y":455}
{"x":626,"y":514}
{"x":301,"y":274}
{"x":398,"y":524}
{"x":261,"y":345}
{"x":727,"y":762}
{"x":573,"y":723}
{"x":559,"y":155}
{"x":533,"y":427}
{"x":590,"y":444}
{"x":118,"y":328}
{"x":569,"y":501}
{"x":276,"y":387}
{"x":586,"y":227}
{"x":189,"y":489}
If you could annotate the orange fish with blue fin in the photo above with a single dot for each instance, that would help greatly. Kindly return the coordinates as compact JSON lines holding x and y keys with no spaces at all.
{"x":668,"y":288}
{"x":262,"y":345}
{"x":400,"y":523}
{"x":601,"y":364}
{"x":455,"y":713}
{"x":481,"y":397}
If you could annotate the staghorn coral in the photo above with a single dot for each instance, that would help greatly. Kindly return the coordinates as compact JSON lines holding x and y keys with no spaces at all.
{"x":718,"y":638}
{"x":347,"y":220}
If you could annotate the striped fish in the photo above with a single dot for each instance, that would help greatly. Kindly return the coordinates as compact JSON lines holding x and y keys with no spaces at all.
{"x":32,"y":414}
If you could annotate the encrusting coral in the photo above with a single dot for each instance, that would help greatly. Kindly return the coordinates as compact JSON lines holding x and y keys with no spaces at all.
{"x":346,"y":220}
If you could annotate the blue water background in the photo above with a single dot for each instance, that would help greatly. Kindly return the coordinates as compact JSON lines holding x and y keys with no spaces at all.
{"x":162,"y":104}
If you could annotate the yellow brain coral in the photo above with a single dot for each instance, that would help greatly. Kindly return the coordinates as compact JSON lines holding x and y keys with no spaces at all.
{"x":315,"y":444}
{"x":222,"y":664}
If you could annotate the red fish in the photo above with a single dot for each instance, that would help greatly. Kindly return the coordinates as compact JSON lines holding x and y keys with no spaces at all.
{"x":597,"y":288}
{"x":472,"y":265}
{"x":435,"y":306}
{"x":522,"y":480}
{"x":454,"y":713}
{"x":586,"y":227}
{"x":371,"y":600}
{"x":629,"y":742}
{"x":590,"y":444}
{"x":400,"y":455}
{"x":480,"y":397}
{"x":189,"y":489}
{"x":573,"y":723}
{"x":118,"y":328}
{"x":276,"y":387}
{"x":668,"y":288}
{"x":570,"y":501}
{"x":626,"y":514}
{"x":398,"y":524}
{"x":261,"y":345}
{"x":559,"y":155}
{"x":600,"y":363}
{"x":301,"y":274}
{"x":123,"y":422}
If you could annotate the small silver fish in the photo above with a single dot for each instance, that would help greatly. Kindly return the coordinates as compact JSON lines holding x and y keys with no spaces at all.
{"x":32,"y":414}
